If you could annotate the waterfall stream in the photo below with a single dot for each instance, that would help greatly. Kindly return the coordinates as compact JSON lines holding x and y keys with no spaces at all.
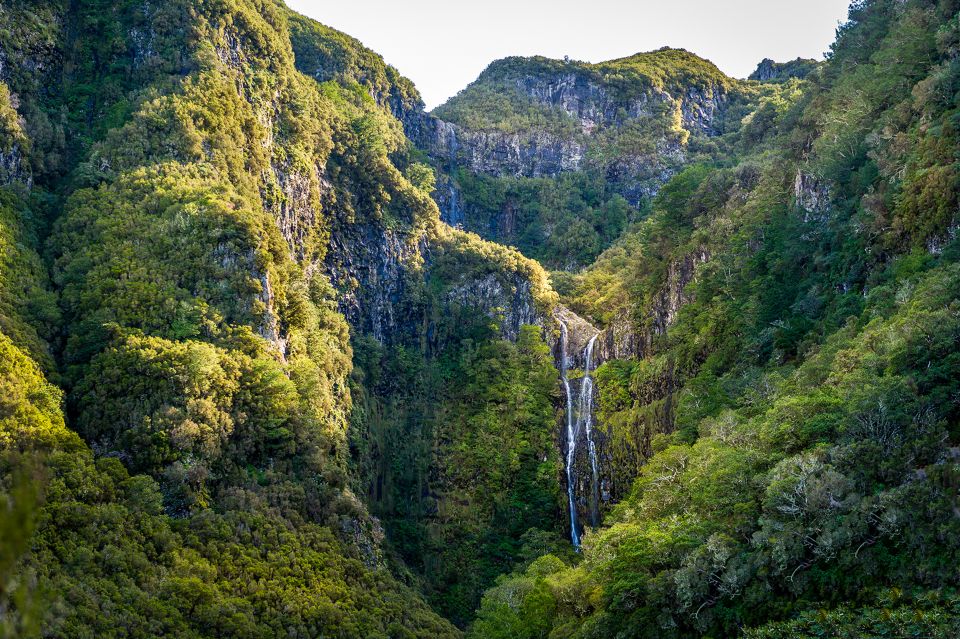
{"x":571,"y":436}
{"x":586,"y":415}
{"x":579,"y":419}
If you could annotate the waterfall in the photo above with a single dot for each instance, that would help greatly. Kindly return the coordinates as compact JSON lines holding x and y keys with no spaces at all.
{"x":571,"y":437}
{"x":586,"y":414}
{"x":579,"y":414}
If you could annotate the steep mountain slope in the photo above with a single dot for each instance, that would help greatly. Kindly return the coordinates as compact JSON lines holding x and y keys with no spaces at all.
{"x":452,"y":434}
{"x":612,"y":132}
{"x":222,"y":225}
{"x":251,"y":384}
{"x":777,"y":404}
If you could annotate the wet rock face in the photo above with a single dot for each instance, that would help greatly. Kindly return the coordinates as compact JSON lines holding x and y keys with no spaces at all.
{"x":449,"y":201}
{"x":574,"y":352}
{"x":579,"y":334}
{"x":14,"y":167}
{"x":622,"y":448}
{"x":368,"y":264}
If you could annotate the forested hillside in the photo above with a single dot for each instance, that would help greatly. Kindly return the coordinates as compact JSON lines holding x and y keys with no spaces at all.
{"x":265,"y":372}
{"x":781,"y":370}
{"x":187,"y":220}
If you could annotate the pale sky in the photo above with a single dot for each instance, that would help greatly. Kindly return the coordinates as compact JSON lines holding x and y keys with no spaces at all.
{"x":442,"y":45}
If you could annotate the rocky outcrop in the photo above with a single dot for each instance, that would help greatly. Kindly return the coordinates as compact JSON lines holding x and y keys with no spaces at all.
{"x":579,"y":334}
{"x":364,"y":532}
{"x":539,"y":153}
{"x":573,"y":353}
{"x":770,"y":71}
{"x":595,"y":104}
{"x":368,"y":264}
{"x":14,"y":168}
{"x":297,"y":210}
{"x":379,"y":272}
{"x":812,"y":195}
{"x":527,"y":154}
{"x":505,"y":298}
{"x":596,"y":112}
{"x":622,"y":339}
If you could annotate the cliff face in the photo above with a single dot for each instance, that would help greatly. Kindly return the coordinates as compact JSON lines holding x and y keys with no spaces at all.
{"x":30,"y":58}
{"x":563,"y":118}
{"x":770,"y":71}
{"x":378,"y":267}
{"x":589,"y":116}
{"x":595,"y":103}
{"x":629,"y":337}
{"x":557,"y":157}
{"x":396,"y":285}
{"x":527,"y":154}
{"x":14,"y":166}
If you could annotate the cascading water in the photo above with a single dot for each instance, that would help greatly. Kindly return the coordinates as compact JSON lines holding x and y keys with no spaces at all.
{"x":571,"y":436}
{"x":586,"y":414}
{"x":577,"y":415}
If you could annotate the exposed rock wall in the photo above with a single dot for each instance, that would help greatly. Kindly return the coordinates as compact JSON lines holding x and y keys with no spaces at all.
{"x":595,"y":109}
{"x":506,"y":298}
{"x":628,"y":336}
{"x":812,"y":194}
{"x":594,"y":104}
{"x":369,"y":264}
{"x":527,"y":154}
{"x":14,"y":167}
{"x":537,"y":153}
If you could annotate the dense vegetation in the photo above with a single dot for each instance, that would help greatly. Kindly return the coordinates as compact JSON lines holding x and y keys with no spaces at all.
{"x":465,"y":471}
{"x":250,"y":385}
{"x":186,"y":181}
{"x":797,"y":422}
{"x":563,"y":222}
